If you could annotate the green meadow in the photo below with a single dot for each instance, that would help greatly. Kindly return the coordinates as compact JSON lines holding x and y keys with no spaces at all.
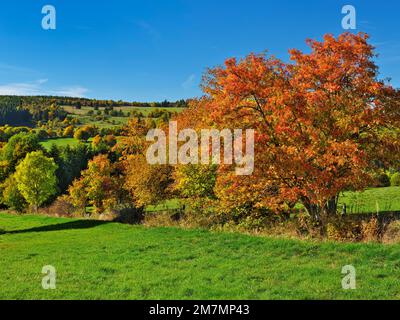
{"x":101,"y":260}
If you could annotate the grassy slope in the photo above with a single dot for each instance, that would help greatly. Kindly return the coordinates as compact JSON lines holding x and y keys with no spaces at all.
{"x":81,"y":114}
{"x":59,"y":142}
{"x":144,"y":110}
{"x":372,"y":200}
{"x":112,"y":261}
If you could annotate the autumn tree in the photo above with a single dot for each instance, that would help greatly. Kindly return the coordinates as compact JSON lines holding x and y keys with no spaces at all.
{"x":35,"y":178}
{"x":11,"y":196}
{"x":320,"y":123}
{"x":195,"y":181}
{"x":82,"y":134}
{"x":69,"y":131}
{"x":133,"y":141}
{"x":146,"y":183}
{"x":78,"y":195}
{"x":16,"y":149}
{"x":100,"y":185}
{"x":97,"y":140}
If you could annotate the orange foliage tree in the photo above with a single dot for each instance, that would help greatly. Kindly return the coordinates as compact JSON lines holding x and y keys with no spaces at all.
{"x":145,"y":183}
{"x":322,"y":123}
{"x":99,"y":185}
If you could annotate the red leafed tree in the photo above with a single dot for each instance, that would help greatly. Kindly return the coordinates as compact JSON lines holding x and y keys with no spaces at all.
{"x":322,"y":123}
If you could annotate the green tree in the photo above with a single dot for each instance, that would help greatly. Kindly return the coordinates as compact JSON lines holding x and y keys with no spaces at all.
{"x":196,"y":181}
{"x":17,"y":148}
{"x":70,"y":161}
{"x":12,"y":197}
{"x":82,"y":134}
{"x":36,"y":179}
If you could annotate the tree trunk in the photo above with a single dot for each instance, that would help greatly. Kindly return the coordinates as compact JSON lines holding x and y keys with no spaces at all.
{"x":315,"y":210}
{"x":330,"y":208}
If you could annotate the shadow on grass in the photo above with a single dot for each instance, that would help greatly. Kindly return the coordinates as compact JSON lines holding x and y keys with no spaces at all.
{"x":73,"y":225}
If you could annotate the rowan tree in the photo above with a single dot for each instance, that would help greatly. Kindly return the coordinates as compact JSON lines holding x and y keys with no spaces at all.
{"x":321,"y":123}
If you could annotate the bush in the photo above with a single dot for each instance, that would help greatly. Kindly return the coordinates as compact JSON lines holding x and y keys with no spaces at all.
{"x":61,"y":207}
{"x":81,"y":134}
{"x":395,"y":180}
{"x":341,"y":229}
{"x":68,"y":131}
{"x":370,"y":230}
{"x":126,"y":214}
{"x":382,"y":180}
{"x":392,"y":233}
{"x":353,"y":229}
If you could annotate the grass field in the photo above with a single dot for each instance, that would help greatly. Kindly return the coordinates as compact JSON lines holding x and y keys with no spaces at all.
{"x":99,"y":260}
{"x":144,"y":110}
{"x":375,"y":200}
{"x":112,"y":121}
{"x":59,"y":142}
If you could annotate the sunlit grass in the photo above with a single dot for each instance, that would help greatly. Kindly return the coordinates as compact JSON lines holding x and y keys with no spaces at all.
{"x":375,"y":200}
{"x":98,"y":260}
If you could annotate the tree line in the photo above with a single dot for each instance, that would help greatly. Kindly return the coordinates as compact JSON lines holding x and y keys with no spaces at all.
{"x":324,"y":124}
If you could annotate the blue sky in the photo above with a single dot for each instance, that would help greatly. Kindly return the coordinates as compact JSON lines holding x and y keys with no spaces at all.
{"x":155,"y":50}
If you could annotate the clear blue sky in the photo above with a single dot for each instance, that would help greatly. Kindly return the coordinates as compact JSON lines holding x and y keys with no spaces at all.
{"x":154,"y":50}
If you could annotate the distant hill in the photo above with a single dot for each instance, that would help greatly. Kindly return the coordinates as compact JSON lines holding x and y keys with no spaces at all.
{"x":24,"y":110}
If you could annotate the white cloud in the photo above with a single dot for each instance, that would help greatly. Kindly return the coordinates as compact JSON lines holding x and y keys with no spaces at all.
{"x":189,"y":82}
{"x":36,"y":88}
{"x":7,"y":68}
{"x":74,"y":91}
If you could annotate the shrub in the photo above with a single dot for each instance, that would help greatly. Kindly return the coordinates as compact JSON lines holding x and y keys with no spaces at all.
{"x":61,"y":207}
{"x":382,"y":180}
{"x":306,"y":226}
{"x":353,"y":228}
{"x":370,"y":230}
{"x":341,"y":229}
{"x":81,"y":134}
{"x":127,"y":214}
{"x":395,"y":180}
{"x":392,"y":232}
{"x":42,"y":134}
{"x":68,"y":131}
{"x":161,"y":219}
